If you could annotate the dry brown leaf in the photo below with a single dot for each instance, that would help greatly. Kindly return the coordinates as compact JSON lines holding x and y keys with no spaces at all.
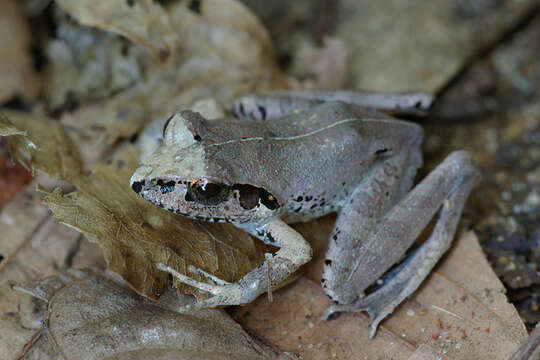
{"x":144,"y":22}
{"x":33,"y":245}
{"x":7,"y":128}
{"x":424,"y":352}
{"x":222,"y":51}
{"x":42,"y":145}
{"x":16,"y":64}
{"x":460,"y":310}
{"x":90,"y":317}
{"x":13,"y":178}
{"x":85,"y":63}
{"x":420,"y":45}
{"x":135,"y":234}
{"x":328,"y":63}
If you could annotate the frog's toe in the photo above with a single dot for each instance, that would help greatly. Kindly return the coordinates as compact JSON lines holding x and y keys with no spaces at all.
{"x":333,"y":311}
{"x":376,"y":308}
{"x":224,"y":293}
{"x":210,"y":277}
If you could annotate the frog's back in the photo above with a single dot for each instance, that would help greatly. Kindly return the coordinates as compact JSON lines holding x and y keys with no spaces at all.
{"x":329,"y":151}
{"x":308,"y":161}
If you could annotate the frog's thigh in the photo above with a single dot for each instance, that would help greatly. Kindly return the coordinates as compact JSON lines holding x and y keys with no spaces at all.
{"x":447,"y":186}
{"x":387,"y":182}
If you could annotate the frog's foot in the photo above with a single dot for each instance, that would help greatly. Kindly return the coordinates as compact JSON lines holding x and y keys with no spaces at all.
{"x":295,"y":251}
{"x":444,"y":190}
{"x":224,"y":292}
{"x":381,"y":303}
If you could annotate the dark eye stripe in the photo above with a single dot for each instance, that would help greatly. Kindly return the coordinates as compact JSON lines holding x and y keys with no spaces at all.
{"x":207,"y":193}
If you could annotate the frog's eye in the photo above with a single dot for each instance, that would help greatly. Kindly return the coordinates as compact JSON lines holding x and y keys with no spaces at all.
{"x":251,"y":195}
{"x":206,"y":192}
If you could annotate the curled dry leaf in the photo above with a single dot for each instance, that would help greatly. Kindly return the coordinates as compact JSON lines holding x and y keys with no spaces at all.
{"x":460,"y":311}
{"x":221,"y":51}
{"x":144,"y":22}
{"x":42,"y":145}
{"x":84,"y":63}
{"x":16,"y":64}
{"x":91,"y":317}
{"x":135,"y":234}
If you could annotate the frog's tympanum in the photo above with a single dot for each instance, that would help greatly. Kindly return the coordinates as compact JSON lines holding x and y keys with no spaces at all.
{"x":292,"y":157}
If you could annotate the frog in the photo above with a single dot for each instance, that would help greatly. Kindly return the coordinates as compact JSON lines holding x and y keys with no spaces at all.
{"x":295,"y":156}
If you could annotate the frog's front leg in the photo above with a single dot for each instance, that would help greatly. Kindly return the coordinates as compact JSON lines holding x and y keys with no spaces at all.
{"x":294,"y":251}
{"x":446,"y":188}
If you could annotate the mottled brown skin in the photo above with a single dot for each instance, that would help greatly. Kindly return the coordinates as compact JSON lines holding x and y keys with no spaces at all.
{"x":262,"y":173}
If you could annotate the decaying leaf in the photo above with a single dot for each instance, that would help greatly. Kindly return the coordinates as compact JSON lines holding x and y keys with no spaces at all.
{"x":135,"y":234}
{"x":33,"y":244}
{"x":7,"y":128}
{"x":16,"y":63}
{"x":328,"y":63}
{"x":144,"y":22}
{"x":13,"y":178}
{"x":84,"y":63}
{"x":42,"y":145}
{"x":419,"y":45}
{"x":91,"y":317}
{"x":222,"y":51}
{"x":460,"y":310}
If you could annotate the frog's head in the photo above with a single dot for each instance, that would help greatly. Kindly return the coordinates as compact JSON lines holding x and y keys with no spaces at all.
{"x":178,"y":178}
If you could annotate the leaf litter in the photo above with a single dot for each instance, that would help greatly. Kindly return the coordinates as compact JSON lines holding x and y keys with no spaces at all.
{"x":16,"y":66}
{"x":91,"y":317}
{"x":210,"y":63}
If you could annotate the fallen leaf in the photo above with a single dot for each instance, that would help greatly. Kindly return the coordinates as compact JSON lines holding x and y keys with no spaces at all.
{"x":85,"y":63}
{"x":41,"y":144}
{"x":292,"y":323}
{"x":328,"y":63}
{"x":424,"y":352}
{"x":460,"y":310}
{"x":144,"y":22}
{"x":33,"y":244}
{"x":13,"y":178}
{"x":90,"y":317}
{"x":222,"y":51}
{"x":419,"y":45}
{"x":135,"y":235}
{"x":16,"y":63}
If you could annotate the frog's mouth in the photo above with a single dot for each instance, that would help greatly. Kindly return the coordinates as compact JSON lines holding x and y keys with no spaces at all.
{"x":208,"y":201}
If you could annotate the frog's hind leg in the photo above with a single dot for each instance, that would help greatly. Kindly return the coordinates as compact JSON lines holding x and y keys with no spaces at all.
{"x":447,"y":189}
{"x":388,"y":181}
{"x":281,"y":103}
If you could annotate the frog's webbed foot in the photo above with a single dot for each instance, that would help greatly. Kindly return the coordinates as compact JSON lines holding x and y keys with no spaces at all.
{"x":379,"y":304}
{"x":371,"y":309}
{"x":224,"y":292}
{"x":444,"y":190}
